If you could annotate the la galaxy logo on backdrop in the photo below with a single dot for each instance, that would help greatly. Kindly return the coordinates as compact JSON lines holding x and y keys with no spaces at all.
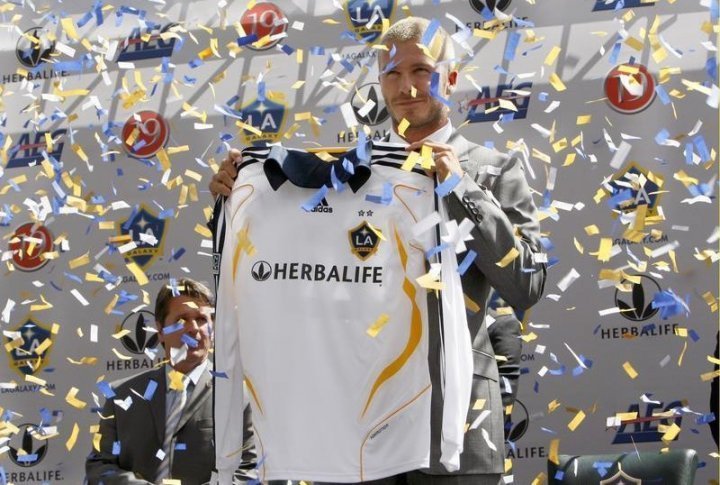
{"x":147,"y":231}
{"x":360,"y":13}
{"x":627,"y":194}
{"x":29,"y":149}
{"x":30,"y":353}
{"x":151,"y":43}
{"x":486,"y":107}
{"x":266,"y":115}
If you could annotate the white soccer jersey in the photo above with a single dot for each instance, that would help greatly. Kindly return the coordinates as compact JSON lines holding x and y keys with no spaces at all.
{"x":308,"y":276}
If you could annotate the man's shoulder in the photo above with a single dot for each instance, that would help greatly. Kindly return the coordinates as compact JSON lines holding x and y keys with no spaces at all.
{"x":125,"y":384}
{"x":469,"y":151}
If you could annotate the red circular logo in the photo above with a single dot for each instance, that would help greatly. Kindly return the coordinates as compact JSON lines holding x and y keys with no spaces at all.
{"x":263,"y":19}
{"x":152,"y":134}
{"x":630,"y":92}
{"x":28,"y":244}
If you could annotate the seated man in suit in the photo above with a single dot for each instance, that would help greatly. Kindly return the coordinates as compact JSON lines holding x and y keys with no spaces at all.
{"x":168,"y":433}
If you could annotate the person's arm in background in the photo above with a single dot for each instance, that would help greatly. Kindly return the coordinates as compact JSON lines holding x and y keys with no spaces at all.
{"x":504,"y":333}
{"x":102,"y":467}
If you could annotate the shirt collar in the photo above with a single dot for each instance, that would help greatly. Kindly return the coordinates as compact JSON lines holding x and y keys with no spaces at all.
{"x":441,"y":135}
{"x":194,"y":374}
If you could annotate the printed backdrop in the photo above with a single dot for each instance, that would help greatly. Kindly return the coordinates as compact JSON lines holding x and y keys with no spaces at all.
{"x":115,"y":115}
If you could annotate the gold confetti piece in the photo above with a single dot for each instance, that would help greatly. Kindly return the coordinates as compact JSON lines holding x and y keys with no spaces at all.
{"x":119,"y":355}
{"x":560,"y":145}
{"x":557,"y":83}
{"x":552,"y":55}
{"x":554,"y":451}
{"x":634,"y":43}
{"x":529,"y":337}
{"x":479,"y":404}
{"x":164,"y":159}
{"x":708,"y":376}
{"x":605,"y":249}
{"x":404,"y":125}
{"x":35,"y":380}
{"x":121,"y":334}
{"x":671,"y":433}
{"x":83,"y":361}
{"x":430,"y":282}
{"x":630,"y":370}
{"x":412,"y":159}
{"x":569,"y":159}
{"x":578,"y":246}
{"x":330,"y":22}
{"x":553,"y":405}
{"x":45,"y":306}
{"x":682,"y":354}
{"x":171,"y":481}
{"x":470,"y":304}
{"x":297,"y":84}
{"x":40,"y":349}
{"x":111,"y":305}
{"x":69,"y":27}
{"x":138,"y":273}
{"x":579,"y":417}
{"x":592,"y":230}
{"x":70,"y":443}
{"x":178,"y":149}
{"x":71,"y":399}
{"x":79,"y":261}
{"x":583,"y":120}
{"x":378,"y":325}
{"x":176,"y":380}
{"x":540,"y":479}
{"x":484,"y":34}
{"x":508,"y":258}
{"x":203,"y":230}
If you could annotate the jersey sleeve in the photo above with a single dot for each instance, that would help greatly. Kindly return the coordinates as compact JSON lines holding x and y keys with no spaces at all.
{"x":228,"y":388}
{"x":457,"y":354}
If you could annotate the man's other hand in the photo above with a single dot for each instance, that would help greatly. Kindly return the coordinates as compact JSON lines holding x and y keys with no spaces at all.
{"x":222,"y":182}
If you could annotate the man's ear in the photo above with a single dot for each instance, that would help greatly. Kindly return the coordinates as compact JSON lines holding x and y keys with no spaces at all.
{"x":452,"y":81}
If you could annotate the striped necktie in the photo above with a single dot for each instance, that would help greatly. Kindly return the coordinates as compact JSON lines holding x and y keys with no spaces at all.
{"x":173,"y":419}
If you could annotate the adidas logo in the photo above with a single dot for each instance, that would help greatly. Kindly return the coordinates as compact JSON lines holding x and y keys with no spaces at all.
{"x":323,"y":206}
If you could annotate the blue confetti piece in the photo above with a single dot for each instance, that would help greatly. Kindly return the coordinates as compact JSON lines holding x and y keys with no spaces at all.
{"x":436,"y":250}
{"x":106,"y":389}
{"x":167,"y":214}
{"x":261,"y":92}
{"x":619,"y":6}
{"x":29,"y":458}
{"x":705,"y":418}
{"x":466,"y":262}
{"x":662,"y":136}
{"x":287,"y":49}
{"x":177,"y":254}
{"x":73,"y":277}
{"x":434,"y":89}
{"x":189,"y":341}
{"x":116,"y":448}
{"x":662,"y":94}
{"x":430,"y":32}
{"x":390,"y":66}
{"x":195,"y":63}
{"x":248,"y":39}
{"x":448,"y":185}
{"x":175,"y":327}
{"x":702,"y":148}
{"x":688,"y":152}
{"x":150,"y":390}
{"x":180,"y":447}
{"x":335,"y":181}
{"x":512,"y":43}
{"x":559,"y":475}
{"x":602,"y":466}
{"x":221,"y":375}
{"x":694,"y":335}
{"x":362,"y":146}
{"x":615,"y":53}
{"x":317,"y":50}
{"x":547,"y":244}
{"x":347,"y":65}
{"x":597,"y":329}
{"x":536,"y":387}
{"x":313,"y":201}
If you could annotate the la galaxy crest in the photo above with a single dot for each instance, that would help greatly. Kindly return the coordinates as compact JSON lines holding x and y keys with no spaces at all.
{"x":268,"y":116}
{"x":359,"y":13}
{"x":364,"y":242}
{"x":24,"y":358}
{"x":143,"y":221}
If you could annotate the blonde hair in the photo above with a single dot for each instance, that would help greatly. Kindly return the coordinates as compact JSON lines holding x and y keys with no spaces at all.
{"x":412,"y":29}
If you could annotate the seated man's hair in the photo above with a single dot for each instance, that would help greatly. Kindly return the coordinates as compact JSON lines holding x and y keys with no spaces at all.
{"x":181,"y":287}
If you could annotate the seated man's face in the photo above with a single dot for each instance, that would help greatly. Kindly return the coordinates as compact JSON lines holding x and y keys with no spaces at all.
{"x":195,"y":316}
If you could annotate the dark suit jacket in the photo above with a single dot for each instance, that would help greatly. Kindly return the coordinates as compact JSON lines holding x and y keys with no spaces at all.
{"x":494,"y":195}
{"x":141,"y":431}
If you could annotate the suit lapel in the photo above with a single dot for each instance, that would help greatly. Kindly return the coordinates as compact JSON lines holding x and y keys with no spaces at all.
{"x":196,"y":400}
{"x":157,"y":403}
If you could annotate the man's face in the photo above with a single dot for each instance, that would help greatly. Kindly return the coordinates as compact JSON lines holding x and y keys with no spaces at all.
{"x":413,"y":69}
{"x":196,"y":320}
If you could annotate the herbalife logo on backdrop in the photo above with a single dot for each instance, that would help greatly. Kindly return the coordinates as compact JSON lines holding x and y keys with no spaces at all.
{"x":26,"y":449}
{"x":139,"y":339}
{"x":365,"y":94}
{"x":637,"y":305}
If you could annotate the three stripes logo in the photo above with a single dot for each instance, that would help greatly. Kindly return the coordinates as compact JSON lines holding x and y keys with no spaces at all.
{"x":323,"y":206}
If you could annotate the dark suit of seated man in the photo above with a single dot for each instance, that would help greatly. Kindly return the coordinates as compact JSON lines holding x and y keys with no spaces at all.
{"x":169,"y":433}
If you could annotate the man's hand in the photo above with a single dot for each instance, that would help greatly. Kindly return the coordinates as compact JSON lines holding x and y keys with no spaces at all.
{"x":446,"y":161}
{"x":222,"y":182}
